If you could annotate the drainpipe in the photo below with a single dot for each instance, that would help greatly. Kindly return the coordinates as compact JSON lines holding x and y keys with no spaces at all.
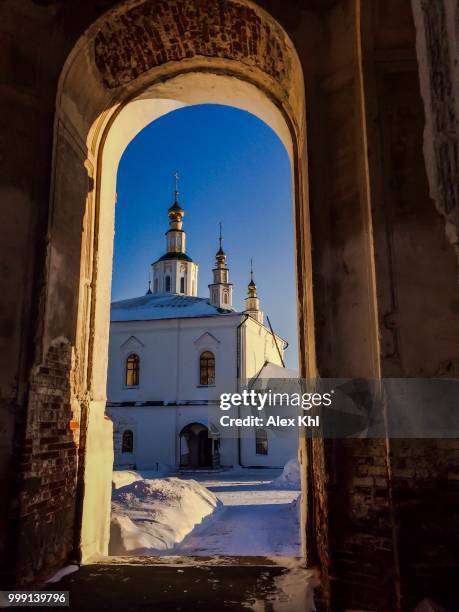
{"x":275,"y":341}
{"x":238,"y":375}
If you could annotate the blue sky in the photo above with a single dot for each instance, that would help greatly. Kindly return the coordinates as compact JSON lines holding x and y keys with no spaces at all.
{"x":233,"y":169}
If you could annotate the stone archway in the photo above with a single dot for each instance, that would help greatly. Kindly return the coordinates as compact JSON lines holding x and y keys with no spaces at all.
{"x":140,"y":60}
{"x":385,"y":282}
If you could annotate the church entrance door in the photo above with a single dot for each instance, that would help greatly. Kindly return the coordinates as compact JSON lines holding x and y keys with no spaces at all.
{"x":195,"y":446}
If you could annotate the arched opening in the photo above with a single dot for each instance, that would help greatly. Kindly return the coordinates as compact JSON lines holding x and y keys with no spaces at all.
{"x":232,"y":167}
{"x":91,"y":134}
{"x":381,"y":272}
{"x":128,"y":441}
{"x":197,"y":448}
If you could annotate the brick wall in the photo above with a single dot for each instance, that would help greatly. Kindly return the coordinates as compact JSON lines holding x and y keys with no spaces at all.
{"x":48,"y":467}
{"x":363,"y":569}
{"x":154,"y":33}
{"x":425,"y":490}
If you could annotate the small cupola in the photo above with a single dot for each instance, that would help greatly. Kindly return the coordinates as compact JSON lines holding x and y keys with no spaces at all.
{"x":221,"y":291}
{"x":252,"y":301}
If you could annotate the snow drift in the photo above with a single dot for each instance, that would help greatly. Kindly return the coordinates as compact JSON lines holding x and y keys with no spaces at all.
{"x":121,"y":478}
{"x":151,"y":516}
{"x":290,"y":478}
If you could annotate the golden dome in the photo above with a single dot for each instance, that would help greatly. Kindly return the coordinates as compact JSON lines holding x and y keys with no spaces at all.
{"x":176,"y":212}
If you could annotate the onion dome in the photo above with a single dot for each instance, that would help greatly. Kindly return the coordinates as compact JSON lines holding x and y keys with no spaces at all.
{"x":176,"y":212}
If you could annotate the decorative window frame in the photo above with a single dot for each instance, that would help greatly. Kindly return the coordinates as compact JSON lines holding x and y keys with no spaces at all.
{"x":215,"y":368}
{"x":206,"y":342}
{"x":132,"y":346}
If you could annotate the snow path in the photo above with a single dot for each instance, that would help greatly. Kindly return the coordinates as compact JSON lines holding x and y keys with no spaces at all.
{"x":256,"y":520}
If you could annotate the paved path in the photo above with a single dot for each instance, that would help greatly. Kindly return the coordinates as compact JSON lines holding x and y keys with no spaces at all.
{"x":255,"y":520}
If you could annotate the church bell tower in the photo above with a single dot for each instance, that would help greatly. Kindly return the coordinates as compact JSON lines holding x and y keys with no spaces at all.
{"x":175,"y":272}
{"x":221,"y":291}
{"x":252,"y":301}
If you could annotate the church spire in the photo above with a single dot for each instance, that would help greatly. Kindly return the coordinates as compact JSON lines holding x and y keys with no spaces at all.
{"x":176,"y":212}
{"x":221,"y":291}
{"x":175,"y":271}
{"x":220,"y":255}
{"x":252,"y":301}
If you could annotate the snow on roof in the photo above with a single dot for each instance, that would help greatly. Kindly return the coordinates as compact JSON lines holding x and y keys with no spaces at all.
{"x":283,"y":379}
{"x":272,"y":370}
{"x":164,"y":306}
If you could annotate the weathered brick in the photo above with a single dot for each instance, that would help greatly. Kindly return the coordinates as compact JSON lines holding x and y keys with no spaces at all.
{"x":147,"y":35}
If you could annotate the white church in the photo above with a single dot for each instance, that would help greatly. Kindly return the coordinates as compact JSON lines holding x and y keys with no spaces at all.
{"x":171,"y":355}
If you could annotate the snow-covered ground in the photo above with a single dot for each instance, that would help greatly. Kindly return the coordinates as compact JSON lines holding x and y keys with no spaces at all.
{"x":236,"y":512}
{"x":255,"y":519}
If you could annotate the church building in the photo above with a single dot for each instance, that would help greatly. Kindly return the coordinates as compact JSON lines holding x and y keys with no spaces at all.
{"x":171,"y":355}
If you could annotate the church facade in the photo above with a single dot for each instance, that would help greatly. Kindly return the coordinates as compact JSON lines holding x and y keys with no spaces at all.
{"x":171,"y":355}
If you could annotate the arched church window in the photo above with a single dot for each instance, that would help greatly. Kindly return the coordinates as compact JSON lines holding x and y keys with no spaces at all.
{"x":207,"y":368}
{"x":127,"y":445}
{"x":261,"y":442}
{"x":182,"y":285}
{"x":132,"y":370}
{"x":168,"y":283}
{"x":225,"y":297}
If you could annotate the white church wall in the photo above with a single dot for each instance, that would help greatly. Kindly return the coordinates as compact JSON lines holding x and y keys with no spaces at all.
{"x":217,"y":335}
{"x":282,"y":446}
{"x":157,"y":360}
{"x":169,"y":352}
{"x":259,"y":348}
{"x":228,"y":451}
{"x":154,"y":429}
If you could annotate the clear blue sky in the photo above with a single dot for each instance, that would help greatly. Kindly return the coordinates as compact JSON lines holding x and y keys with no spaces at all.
{"x":233,"y":169}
